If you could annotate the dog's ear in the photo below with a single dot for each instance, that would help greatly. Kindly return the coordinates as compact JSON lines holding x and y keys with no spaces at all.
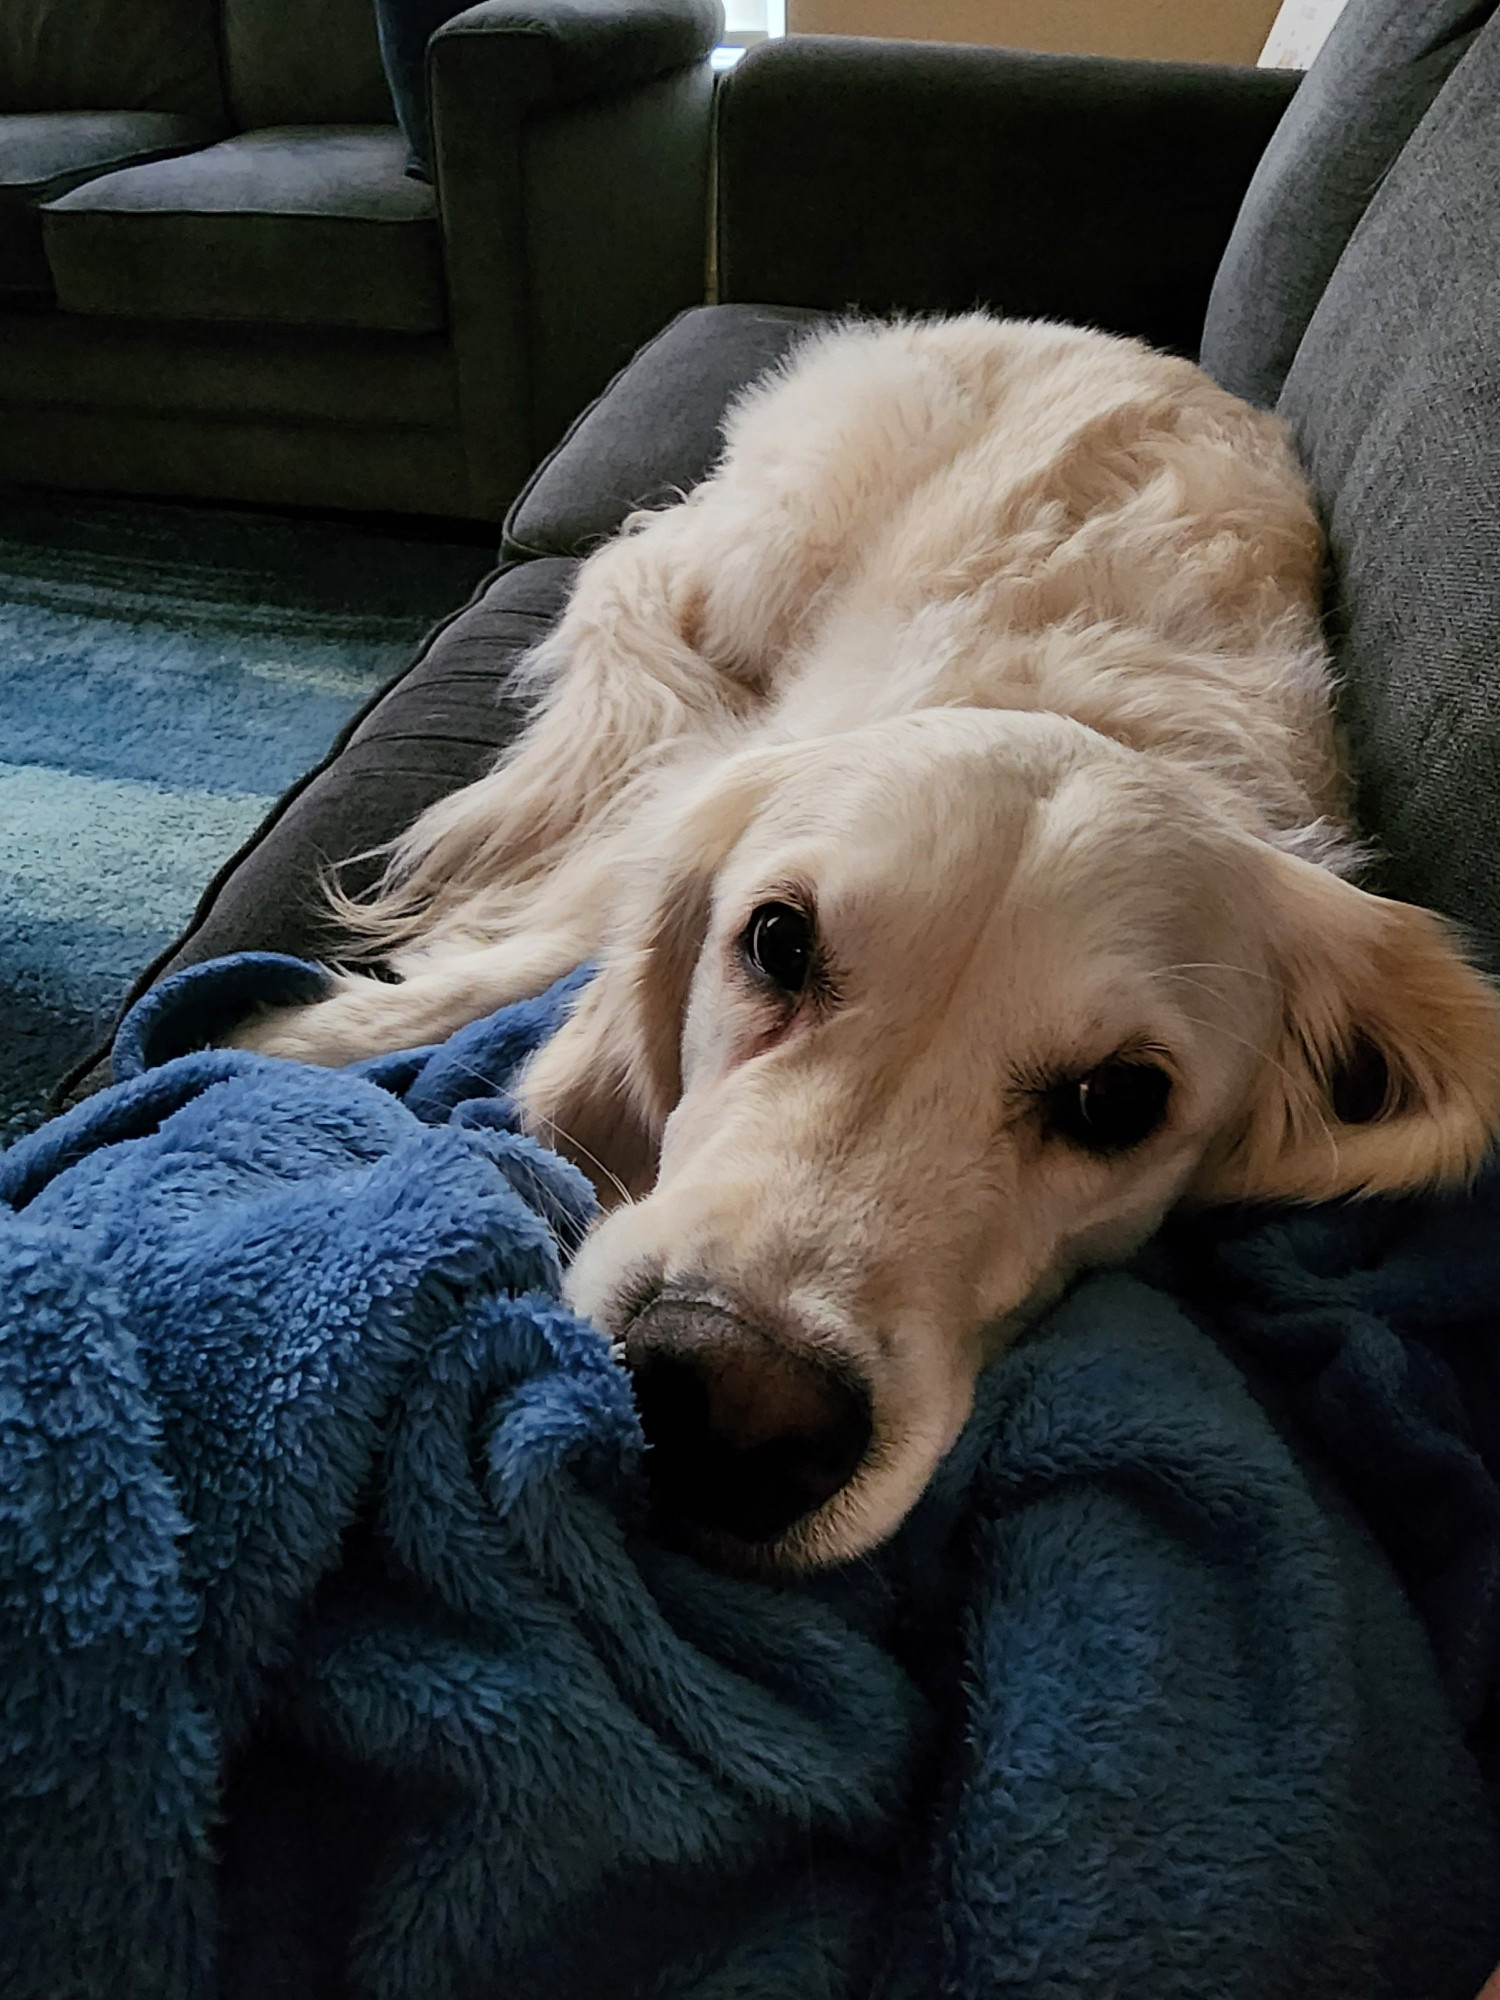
{"x":1386,"y":1071}
{"x":603,"y":1088}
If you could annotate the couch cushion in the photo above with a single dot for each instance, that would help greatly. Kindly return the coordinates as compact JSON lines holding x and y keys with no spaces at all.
{"x":304,"y":62}
{"x":654,"y":431}
{"x":1381,"y":67}
{"x":439,"y":727}
{"x":100,"y":55}
{"x":1395,"y":401}
{"x":296,"y":226}
{"x":45,"y":153}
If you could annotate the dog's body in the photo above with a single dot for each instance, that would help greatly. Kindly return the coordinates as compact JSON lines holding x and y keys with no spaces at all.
{"x":949,"y":792}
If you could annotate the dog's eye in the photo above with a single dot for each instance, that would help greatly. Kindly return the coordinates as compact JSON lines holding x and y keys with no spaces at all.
{"x":1113,"y":1107}
{"x":778,"y":942}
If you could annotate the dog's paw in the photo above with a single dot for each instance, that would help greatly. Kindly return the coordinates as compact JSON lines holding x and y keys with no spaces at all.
{"x":360,"y":1017}
{"x":297,"y":1034}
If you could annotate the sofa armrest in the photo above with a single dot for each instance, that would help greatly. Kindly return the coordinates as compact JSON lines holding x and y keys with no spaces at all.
{"x":541,"y":55}
{"x":883,"y":176}
{"x":571,"y":154}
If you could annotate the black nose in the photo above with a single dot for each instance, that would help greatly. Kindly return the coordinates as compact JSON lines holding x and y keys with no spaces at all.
{"x":746,"y":1436}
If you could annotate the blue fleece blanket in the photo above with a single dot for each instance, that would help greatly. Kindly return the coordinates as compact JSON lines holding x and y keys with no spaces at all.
{"x":335,"y":1659}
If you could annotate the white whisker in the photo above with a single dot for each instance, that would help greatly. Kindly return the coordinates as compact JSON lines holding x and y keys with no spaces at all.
{"x":556,"y":1131}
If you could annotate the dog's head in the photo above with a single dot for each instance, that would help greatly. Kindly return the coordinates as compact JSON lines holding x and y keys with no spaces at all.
{"x":900,"y":1029}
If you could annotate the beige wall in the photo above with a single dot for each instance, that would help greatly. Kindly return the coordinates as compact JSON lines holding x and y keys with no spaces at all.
{"x":1184,"y":30}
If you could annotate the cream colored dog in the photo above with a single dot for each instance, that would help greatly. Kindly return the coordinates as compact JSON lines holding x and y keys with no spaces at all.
{"x":949,"y":794}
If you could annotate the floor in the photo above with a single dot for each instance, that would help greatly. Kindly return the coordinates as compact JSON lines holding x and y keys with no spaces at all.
{"x":165,"y":673}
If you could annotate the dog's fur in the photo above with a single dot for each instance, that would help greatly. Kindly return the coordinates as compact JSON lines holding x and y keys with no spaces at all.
{"x":996,"y":645}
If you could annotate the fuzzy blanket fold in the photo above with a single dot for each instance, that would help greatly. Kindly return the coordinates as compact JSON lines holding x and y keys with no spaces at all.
{"x":335,"y":1660}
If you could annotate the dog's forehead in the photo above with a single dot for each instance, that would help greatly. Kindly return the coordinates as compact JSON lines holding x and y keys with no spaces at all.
{"x":932,"y":783}
{"x":1051,"y":896}
{"x":975,"y":811}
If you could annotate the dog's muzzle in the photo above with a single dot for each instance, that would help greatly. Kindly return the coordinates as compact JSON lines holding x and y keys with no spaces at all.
{"x":746,"y":1436}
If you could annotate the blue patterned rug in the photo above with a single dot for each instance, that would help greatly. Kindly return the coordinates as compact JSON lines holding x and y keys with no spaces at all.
{"x":165,"y":673}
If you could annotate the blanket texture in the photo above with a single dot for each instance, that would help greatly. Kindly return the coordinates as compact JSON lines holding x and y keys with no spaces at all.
{"x":336,"y":1660}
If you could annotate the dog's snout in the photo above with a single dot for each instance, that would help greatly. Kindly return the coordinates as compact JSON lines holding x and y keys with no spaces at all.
{"x":746,"y":1435}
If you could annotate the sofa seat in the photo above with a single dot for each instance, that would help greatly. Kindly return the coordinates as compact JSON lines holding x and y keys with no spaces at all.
{"x":44,"y":154}
{"x":306,"y":225}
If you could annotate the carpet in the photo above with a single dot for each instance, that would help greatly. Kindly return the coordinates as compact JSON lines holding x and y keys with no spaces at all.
{"x":165,"y":673}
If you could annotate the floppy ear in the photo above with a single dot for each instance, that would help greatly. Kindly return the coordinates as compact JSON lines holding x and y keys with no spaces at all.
{"x":602,"y":1089}
{"x":1386,"y":1073}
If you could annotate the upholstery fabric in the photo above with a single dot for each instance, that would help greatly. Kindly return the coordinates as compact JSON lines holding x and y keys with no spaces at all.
{"x":618,"y":189}
{"x":102,"y":55}
{"x":1073,"y":188}
{"x":655,"y":430}
{"x":1394,"y":398}
{"x":260,"y":461}
{"x":1381,"y":67}
{"x":405,"y":27}
{"x":438,"y":728}
{"x":297,"y":225}
{"x":589,"y":125}
{"x":46,"y":153}
{"x":299,"y":375}
{"x":303,"y":62}
{"x":559,"y":52}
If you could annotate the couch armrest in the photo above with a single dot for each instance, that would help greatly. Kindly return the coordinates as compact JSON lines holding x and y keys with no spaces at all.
{"x":571,"y":154}
{"x":885,"y":175}
{"x":549,"y":53}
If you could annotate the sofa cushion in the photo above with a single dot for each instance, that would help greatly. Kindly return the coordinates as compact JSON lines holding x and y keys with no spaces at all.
{"x":437,"y":728}
{"x":1394,"y":398}
{"x":303,"y":62}
{"x":45,"y":153}
{"x":1381,"y":67}
{"x":296,"y":226}
{"x":100,"y":55}
{"x":654,"y":431}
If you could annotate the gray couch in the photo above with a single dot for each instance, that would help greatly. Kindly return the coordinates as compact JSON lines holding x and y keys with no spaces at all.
{"x":218,"y":281}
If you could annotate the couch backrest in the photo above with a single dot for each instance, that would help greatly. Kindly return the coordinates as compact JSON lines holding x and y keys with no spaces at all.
{"x":303,"y":62}
{"x":111,"y":55}
{"x":1387,"y":334}
{"x":1383,"y":64}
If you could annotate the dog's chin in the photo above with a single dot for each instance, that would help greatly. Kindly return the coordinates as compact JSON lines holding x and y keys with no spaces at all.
{"x":832,"y":1536}
{"x":853,"y":1525}
{"x":796,"y":1554}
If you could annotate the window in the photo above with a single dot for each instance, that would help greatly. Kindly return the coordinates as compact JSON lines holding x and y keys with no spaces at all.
{"x":747,"y":21}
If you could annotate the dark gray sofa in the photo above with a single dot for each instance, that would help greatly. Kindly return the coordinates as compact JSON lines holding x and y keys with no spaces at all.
{"x":1333,"y":252}
{"x":218,"y":281}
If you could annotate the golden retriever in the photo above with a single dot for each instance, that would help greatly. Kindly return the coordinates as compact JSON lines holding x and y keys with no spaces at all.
{"x":949,"y":793}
